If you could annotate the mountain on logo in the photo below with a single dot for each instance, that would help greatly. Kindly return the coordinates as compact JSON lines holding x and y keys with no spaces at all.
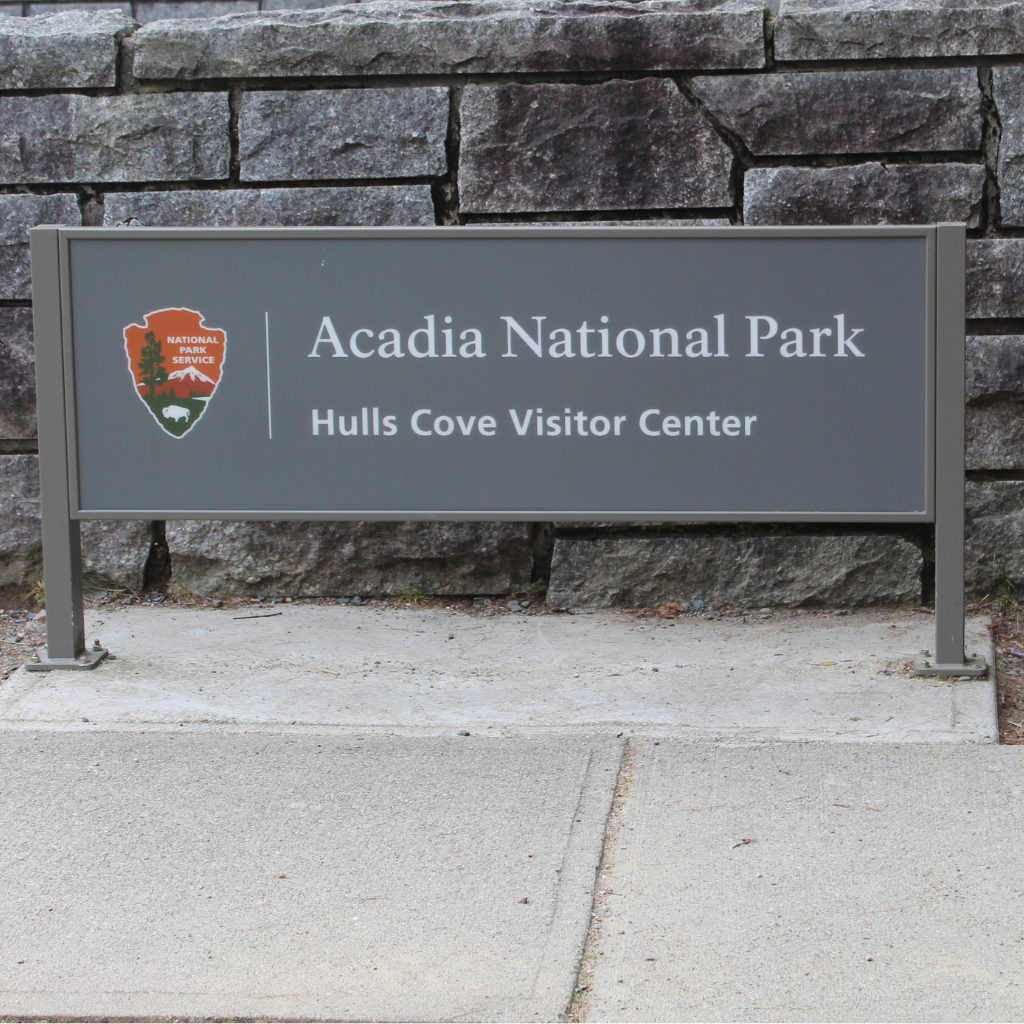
{"x":189,"y":382}
{"x":165,"y":354}
{"x":190,"y":373}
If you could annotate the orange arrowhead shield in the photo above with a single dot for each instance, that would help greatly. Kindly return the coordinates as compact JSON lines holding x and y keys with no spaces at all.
{"x":176,"y":362}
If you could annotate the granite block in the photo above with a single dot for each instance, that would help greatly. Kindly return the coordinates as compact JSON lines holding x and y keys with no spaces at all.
{"x":871,"y":193}
{"x":346,"y":133}
{"x":848,"y":111}
{"x":410,"y":37}
{"x":370,"y":205}
{"x":888,"y":29}
{"x":615,"y":146}
{"x":773,"y":570}
{"x":69,"y":49}
{"x":18,"y":214}
{"x":74,"y":138}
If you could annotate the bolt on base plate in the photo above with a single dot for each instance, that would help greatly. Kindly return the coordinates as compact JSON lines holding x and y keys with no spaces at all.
{"x":90,"y":659}
{"x":925,"y":665}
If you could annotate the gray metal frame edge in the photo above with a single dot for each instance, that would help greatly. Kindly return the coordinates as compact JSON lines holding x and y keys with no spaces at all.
{"x":915,"y":231}
{"x":950,"y":313}
{"x":62,"y":552}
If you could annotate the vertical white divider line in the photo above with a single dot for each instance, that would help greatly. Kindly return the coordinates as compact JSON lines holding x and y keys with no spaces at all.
{"x":270,"y":418}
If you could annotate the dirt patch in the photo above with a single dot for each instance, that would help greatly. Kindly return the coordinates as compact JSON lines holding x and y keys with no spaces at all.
{"x":1008,"y":627}
{"x":21,"y":636}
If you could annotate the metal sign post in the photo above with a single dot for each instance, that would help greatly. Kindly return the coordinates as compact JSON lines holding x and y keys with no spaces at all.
{"x":949,"y":657}
{"x":569,"y":374}
{"x":62,"y":548}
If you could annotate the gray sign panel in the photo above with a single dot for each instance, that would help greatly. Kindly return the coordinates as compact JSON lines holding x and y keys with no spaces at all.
{"x":494,"y":373}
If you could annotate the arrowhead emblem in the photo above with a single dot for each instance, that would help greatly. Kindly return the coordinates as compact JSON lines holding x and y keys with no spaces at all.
{"x":175,"y":361}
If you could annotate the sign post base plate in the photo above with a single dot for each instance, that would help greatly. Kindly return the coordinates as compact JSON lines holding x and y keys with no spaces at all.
{"x":87,"y":661}
{"x":926,"y":665}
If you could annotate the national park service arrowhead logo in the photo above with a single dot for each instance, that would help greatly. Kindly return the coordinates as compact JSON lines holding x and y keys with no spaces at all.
{"x":175,"y":361}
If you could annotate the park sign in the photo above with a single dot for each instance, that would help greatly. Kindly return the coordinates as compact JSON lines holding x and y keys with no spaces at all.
{"x":573,"y":373}
{"x":551,"y":374}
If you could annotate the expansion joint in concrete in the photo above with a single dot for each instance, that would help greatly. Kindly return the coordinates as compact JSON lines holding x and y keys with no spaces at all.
{"x":603,"y":884}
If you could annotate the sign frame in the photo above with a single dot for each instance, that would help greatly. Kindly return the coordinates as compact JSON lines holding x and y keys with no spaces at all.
{"x":944,"y":405}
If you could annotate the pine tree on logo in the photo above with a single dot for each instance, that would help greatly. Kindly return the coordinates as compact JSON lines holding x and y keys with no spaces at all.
{"x":151,"y":364}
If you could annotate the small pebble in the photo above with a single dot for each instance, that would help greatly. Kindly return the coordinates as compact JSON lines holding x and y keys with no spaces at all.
{"x":514,"y":606}
{"x":451,"y":636}
{"x":85,"y":719}
{"x":463,"y":732}
{"x":357,"y":599}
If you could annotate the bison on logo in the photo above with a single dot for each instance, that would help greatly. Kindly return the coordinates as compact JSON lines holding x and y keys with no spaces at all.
{"x":175,"y":361}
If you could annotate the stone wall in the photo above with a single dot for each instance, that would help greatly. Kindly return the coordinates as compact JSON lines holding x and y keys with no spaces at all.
{"x":268,"y":112}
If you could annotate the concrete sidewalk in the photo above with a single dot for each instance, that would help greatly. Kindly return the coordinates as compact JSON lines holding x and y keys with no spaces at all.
{"x":176,"y":875}
{"x":278,"y":818}
{"x":782,"y":677}
{"x":813,"y":882}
